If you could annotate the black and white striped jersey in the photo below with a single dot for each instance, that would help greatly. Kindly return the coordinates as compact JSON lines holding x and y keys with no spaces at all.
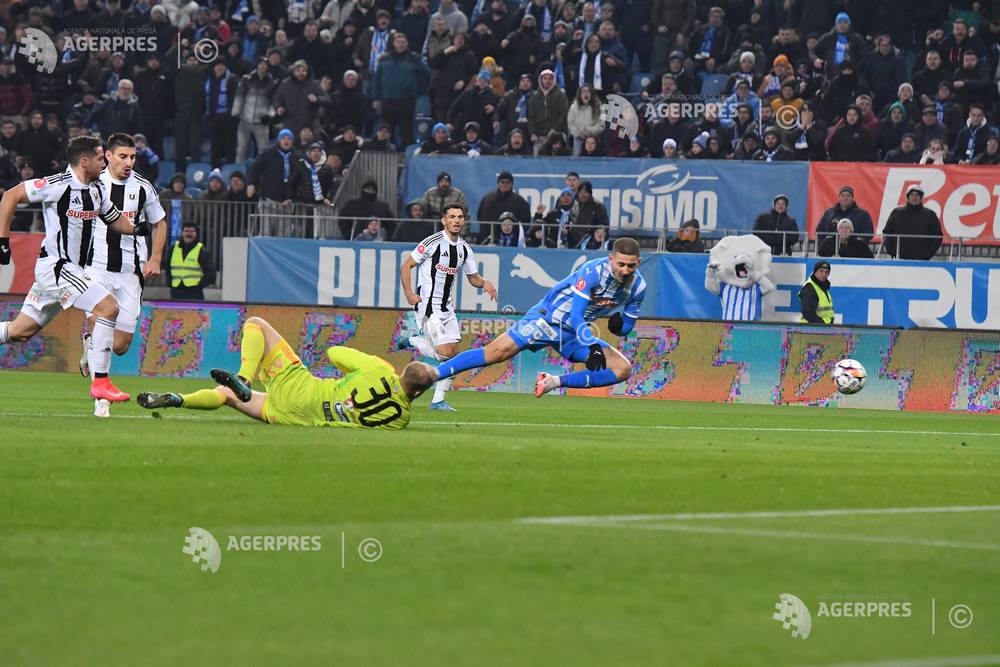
{"x":71,"y":210}
{"x":439,"y":261}
{"x":137,"y":199}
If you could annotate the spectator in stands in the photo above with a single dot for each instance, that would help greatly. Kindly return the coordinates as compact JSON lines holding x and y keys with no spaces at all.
{"x":15,"y":93}
{"x":147,"y":162}
{"x":789,"y":97}
{"x":215,"y":192}
{"x":311,"y":181}
{"x":439,"y":142}
{"x":436,"y":198}
{"x":972,"y":138}
{"x":572,"y":181}
{"x":591,"y":215}
{"x":38,"y":145}
{"x":904,"y":97}
{"x":770,"y":85}
{"x":807,"y":138}
{"x":687,"y":239}
{"x":839,"y":45}
{"x":776,"y":228}
{"x":498,"y":18}
{"x":991,"y":154}
{"x":473,"y":146}
{"x":455,"y":67}
{"x":815,"y":298}
{"x":220,"y":92}
{"x":191,"y":268}
{"x":954,"y":47}
{"x":844,"y":243}
{"x":547,"y":109}
{"x":890,"y":131}
{"x":513,"y":110}
{"x":584,"y":116}
{"x":672,"y":127}
{"x":252,"y":106}
{"x":349,"y":104}
{"x":925,"y":82}
{"x":772,"y":150}
{"x":416,"y":228}
{"x":936,"y":152}
{"x":591,"y":66}
{"x":949,"y":114}
{"x":120,"y":113}
{"x":929,"y":128}
{"x":843,"y":91}
{"x":310,"y":50}
{"x":238,"y":188}
{"x":971,"y":81}
{"x":636,"y":148}
{"x":746,"y":70}
{"x":372,"y":44}
{"x":382,"y":140}
{"x":413,"y":22}
{"x":269,"y":174}
{"x":912,"y":231}
{"x":346,"y":144}
{"x":453,"y":17}
{"x":517,"y":50}
{"x":516,"y":144}
{"x":500,"y":200}
{"x":676,"y":68}
{"x":852,"y":142}
{"x":591,"y":146}
{"x":845,"y":208}
{"x":476,"y":104}
{"x":189,"y":103}
{"x":748,"y":147}
{"x":508,"y":233}
{"x":711,"y":44}
{"x":373,"y":231}
{"x":338,"y":11}
{"x":355,"y":213}
{"x":669,"y":18}
{"x":399,"y":79}
{"x":907,"y":153}
{"x":299,"y":97}
{"x":885,"y":70}
{"x":155,"y":93}
{"x":172,"y":200}
{"x":744,"y":95}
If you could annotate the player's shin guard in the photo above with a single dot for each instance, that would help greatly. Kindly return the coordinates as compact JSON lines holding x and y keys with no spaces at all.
{"x":204,"y":399}
{"x":462,"y":362}
{"x":251,"y":351}
{"x":101,"y":340}
{"x":4,"y":336}
{"x":587,"y":379}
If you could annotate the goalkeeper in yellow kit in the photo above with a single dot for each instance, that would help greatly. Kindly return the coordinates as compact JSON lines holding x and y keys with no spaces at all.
{"x":369,"y":394}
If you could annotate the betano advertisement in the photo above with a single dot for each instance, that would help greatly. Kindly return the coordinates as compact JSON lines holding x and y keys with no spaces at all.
{"x":942,"y":371}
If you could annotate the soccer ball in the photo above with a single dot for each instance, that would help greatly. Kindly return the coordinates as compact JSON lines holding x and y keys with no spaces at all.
{"x":849,"y":376}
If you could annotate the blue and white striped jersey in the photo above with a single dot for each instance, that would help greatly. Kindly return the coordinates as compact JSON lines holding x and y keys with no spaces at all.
{"x":594,"y":282}
{"x":741,"y":304}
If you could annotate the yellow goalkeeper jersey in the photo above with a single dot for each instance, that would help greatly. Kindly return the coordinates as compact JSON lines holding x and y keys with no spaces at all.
{"x":368,"y":395}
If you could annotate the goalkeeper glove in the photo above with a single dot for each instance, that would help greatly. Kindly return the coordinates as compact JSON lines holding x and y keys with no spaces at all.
{"x":615,"y":323}
{"x":4,"y":251}
{"x":596,"y":360}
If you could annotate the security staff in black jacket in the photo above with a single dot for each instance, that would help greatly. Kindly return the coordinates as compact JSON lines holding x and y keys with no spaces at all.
{"x":916,"y":219}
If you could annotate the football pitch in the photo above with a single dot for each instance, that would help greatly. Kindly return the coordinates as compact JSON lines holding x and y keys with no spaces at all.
{"x":559,"y":531}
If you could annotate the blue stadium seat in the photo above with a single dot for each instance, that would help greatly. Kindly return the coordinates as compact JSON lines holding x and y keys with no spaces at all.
{"x":640,"y":81}
{"x":424,"y":105}
{"x":228,"y":169}
{"x":167,"y":171}
{"x":713,"y":85}
{"x":197,"y":174}
{"x":194,"y":192}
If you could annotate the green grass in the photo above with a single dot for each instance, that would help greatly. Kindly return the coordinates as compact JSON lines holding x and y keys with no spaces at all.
{"x":93,"y":514}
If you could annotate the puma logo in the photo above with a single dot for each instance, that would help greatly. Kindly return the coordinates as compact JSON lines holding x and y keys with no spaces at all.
{"x":527,"y":268}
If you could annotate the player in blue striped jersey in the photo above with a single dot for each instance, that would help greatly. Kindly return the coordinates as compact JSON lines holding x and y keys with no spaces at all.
{"x":561,"y":320}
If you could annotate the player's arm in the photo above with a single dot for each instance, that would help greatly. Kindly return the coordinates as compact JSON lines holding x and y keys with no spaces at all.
{"x":348,"y":359}
{"x":154,"y":211}
{"x":8,"y":206}
{"x":415,"y":258}
{"x":621,"y":324}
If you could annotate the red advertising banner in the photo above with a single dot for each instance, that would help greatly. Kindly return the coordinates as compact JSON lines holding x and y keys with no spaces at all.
{"x":17,"y":277}
{"x":965,"y":198}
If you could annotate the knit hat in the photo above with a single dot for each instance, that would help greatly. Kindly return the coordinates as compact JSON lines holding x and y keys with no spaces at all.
{"x":842,"y":16}
{"x":845,"y":188}
{"x":215,"y":175}
{"x":316,"y":144}
{"x":781,"y":59}
{"x":821,"y":265}
{"x":507,"y":215}
{"x":676,"y":54}
{"x":444,"y":175}
{"x":771,"y":129}
{"x":488,"y":61}
{"x":669,"y":142}
{"x":929,"y":110}
{"x":348,"y":73}
{"x":439,"y":126}
{"x":748,"y":55}
{"x":914,"y":188}
{"x":300,"y":63}
{"x":896,"y":105}
{"x":286,"y":133}
{"x":505,"y":176}
{"x":701,"y":140}
{"x":775,"y":200}
{"x":586,"y":185}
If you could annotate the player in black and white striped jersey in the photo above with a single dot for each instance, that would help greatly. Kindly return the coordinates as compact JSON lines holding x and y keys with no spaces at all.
{"x":119,"y":262}
{"x":73,"y":205}
{"x":440,"y":258}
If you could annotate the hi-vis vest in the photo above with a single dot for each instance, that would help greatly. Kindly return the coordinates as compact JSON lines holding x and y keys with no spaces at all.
{"x":825,"y":308}
{"x":185,"y":270}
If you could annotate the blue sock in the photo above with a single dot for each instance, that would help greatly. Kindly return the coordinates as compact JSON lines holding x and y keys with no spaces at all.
{"x":588,"y":379}
{"x":462,"y":362}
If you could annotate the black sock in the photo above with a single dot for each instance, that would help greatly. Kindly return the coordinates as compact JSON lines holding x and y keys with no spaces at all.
{"x":100,"y":375}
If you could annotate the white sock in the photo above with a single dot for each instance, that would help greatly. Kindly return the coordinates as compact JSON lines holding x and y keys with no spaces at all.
{"x":423,"y":346}
{"x":101,"y":340}
{"x":4,"y":336}
{"x":441,"y":388}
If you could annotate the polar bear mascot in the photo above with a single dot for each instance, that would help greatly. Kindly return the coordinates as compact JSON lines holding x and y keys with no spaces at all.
{"x":737,"y":274}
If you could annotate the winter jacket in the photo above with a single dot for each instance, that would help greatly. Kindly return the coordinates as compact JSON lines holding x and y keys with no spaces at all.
{"x":854,"y":247}
{"x":15,"y":95}
{"x":859,"y":217}
{"x":909,"y":219}
{"x":400,"y":76}
{"x":853,"y":143}
{"x":115,"y":115}
{"x":293,"y":96}
{"x":582,"y":120}
{"x":547,"y":112}
{"x":826,"y":49}
{"x":773,"y":222}
{"x":253,"y":98}
{"x":970,"y":142}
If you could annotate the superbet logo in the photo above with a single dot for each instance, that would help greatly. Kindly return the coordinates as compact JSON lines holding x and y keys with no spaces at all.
{"x":966,"y":207}
{"x":580,"y":284}
{"x":40,"y":183}
{"x":421,"y":248}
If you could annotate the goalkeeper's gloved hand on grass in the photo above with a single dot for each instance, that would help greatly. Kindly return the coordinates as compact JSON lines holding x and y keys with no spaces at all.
{"x":596,"y":360}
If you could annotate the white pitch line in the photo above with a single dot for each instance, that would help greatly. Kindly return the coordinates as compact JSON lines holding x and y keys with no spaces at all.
{"x":700,"y":516}
{"x":798,"y":535}
{"x":956,"y":661}
{"x":741,"y":429}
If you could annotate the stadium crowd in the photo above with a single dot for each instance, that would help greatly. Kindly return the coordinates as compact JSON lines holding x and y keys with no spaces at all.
{"x":299,"y":87}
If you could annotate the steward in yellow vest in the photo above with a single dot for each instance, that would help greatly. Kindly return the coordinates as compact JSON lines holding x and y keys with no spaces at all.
{"x":817,"y":303}
{"x":191,"y":266}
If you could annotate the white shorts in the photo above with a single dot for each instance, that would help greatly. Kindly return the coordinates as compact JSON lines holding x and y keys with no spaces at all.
{"x":73,"y":288}
{"x":127,"y":290}
{"x":440,"y":328}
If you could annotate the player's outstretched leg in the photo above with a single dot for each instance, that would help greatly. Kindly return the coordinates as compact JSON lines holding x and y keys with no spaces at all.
{"x":500,"y":349}
{"x":259,"y":338}
{"x":99,"y":351}
{"x":151,"y":401}
{"x":618,"y":370}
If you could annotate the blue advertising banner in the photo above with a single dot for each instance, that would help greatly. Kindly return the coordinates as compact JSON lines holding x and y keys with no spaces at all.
{"x":642,"y":196}
{"x":896,"y":293}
